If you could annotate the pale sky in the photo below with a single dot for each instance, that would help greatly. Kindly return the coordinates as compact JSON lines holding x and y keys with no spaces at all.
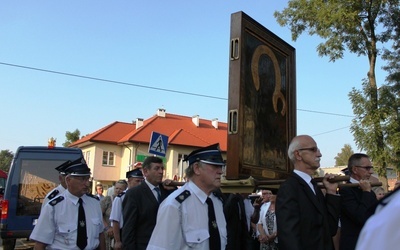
{"x":175,"y":45}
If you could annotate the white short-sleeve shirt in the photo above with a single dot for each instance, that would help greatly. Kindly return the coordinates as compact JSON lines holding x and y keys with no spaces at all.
{"x":116,"y":209}
{"x":184,"y":225}
{"x":58,"y":222}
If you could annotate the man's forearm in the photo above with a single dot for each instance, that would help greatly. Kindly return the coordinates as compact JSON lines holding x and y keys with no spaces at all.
{"x":255,"y":216}
{"x":116,"y":231}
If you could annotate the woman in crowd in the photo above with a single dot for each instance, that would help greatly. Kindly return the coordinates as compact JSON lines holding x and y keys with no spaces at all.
{"x":267,"y":226}
{"x":106,"y":205}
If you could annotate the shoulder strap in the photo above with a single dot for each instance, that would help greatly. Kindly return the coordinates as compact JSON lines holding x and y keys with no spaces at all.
{"x":56,"y":200}
{"x":183,"y":196}
{"x":53,"y":194}
{"x":93,"y":196}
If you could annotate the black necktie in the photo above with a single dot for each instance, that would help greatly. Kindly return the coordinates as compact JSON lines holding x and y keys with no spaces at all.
{"x":315,"y":185}
{"x":215,"y":241}
{"x":158,"y":194}
{"x":81,"y":240}
{"x":317,"y":191}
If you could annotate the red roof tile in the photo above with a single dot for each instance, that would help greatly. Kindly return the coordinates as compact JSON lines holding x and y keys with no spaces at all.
{"x":180,"y":130}
{"x":111,"y":133}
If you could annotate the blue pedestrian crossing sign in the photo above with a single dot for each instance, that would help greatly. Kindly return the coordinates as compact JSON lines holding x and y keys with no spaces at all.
{"x":158,"y":144}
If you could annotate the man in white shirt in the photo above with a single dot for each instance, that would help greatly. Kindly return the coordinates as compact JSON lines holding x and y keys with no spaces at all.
{"x":183,"y":219}
{"x":135,"y":177}
{"x":60,"y":223}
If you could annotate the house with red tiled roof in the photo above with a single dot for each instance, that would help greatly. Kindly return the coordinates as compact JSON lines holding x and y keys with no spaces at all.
{"x":112,"y":150}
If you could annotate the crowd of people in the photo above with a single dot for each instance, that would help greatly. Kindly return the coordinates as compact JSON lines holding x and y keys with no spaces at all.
{"x":144,"y":212}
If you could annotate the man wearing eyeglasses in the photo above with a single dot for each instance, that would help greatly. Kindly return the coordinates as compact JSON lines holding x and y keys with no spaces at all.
{"x":357,"y":202}
{"x":72,"y":220}
{"x":306,"y":219}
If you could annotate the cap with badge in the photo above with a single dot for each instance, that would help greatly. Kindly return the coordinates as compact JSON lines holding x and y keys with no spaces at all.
{"x":77,"y":167}
{"x":136,"y":173}
{"x":60,"y":168}
{"x":209,"y":155}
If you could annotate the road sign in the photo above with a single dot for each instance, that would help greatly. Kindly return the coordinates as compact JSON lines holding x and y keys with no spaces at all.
{"x":158,"y":144}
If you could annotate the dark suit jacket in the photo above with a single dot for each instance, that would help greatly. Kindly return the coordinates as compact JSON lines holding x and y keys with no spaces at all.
{"x":356,"y":209}
{"x":139,"y":210}
{"x":236,"y":223}
{"x":305,"y":220}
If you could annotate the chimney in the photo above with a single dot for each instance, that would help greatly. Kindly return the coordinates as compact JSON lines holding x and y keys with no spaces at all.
{"x":139,"y":122}
{"x":196,"y":120}
{"x":214,"y":122}
{"x":161,"y":112}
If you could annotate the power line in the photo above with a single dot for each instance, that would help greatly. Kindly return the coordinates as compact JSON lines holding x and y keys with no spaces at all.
{"x":327,"y":132}
{"x":111,"y":81}
{"x":146,"y":87}
{"x":325,"y":113}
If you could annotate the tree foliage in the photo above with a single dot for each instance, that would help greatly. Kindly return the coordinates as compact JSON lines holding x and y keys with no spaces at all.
{"x":362,"y":27}
{"x":6,"y":157}
{"x":390,"y":93}
{"x":71,"y":137}
{"x":342,"y":158}
{"x":344,"y":24}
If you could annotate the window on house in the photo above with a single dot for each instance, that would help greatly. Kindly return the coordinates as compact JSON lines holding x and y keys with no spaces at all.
{"x":108,"y":158}
{"x":87,"y":157}
{"x":180,"y":170}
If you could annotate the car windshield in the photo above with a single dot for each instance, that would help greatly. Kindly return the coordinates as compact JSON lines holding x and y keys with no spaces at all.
{"x":37,"y":178}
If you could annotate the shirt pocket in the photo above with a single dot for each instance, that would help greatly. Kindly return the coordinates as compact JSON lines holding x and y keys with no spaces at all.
{"x":67,"y":234}
{"x":194,"y":237}
{"x":97,"y":228}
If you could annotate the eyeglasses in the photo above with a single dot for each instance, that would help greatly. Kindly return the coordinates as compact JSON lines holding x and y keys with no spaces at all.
{"x":368,"y":168}
{"x":83,"y":178}
{"x":313,"y":149}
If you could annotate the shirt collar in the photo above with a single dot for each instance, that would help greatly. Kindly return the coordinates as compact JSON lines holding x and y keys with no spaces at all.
{"x":61,"y":188}
{"x":198,"y":192}
{"x":151,"y":186}
{"x":74,"y":199}
{"x":352,"y":180}
{"x":303,"y":175}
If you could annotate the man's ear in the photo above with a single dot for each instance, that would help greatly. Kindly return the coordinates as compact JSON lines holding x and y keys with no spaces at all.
{"x":67,"y":179}
{"x":297,"y":155}
{"x":145,"y":171}
{"x":196,"y":168}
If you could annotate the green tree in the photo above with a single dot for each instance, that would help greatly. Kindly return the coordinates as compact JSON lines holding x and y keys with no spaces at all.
{"x":71,"y":137}
{"x":342,"y":158}
{"x":6,"y":157}
{"x":390,"y":94}
{"x":351,"y":25}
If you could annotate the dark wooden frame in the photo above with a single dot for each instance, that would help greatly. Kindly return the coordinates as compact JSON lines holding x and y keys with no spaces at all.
{"x":262,"y":101}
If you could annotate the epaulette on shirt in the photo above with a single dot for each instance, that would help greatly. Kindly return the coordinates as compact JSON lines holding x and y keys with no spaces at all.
{"x":121,"y":194}
{"x":217,"y":193}
{"x":53,"y":194}
{"x":93,"y":196}
{"x":182,"y":196}
{"x":55,"y":201}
